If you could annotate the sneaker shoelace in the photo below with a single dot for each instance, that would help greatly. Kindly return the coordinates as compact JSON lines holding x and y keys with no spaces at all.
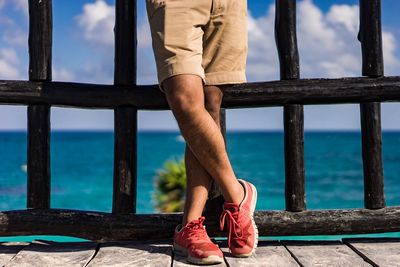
{"x":197,"y":230}
{"x":234,"y":228}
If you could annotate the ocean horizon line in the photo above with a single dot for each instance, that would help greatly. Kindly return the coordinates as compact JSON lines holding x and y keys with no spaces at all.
{"x":178,"y":132}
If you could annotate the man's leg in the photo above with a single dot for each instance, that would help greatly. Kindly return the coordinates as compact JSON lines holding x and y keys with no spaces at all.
{"x":198,"y":179}
{"x":185,"y":97}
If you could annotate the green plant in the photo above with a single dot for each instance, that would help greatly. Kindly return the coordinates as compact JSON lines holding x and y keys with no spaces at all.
{"x":170,"y":186}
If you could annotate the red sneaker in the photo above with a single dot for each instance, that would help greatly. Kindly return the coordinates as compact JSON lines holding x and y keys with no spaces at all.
{"x":242,"y":230}
{"x":192,"y":241}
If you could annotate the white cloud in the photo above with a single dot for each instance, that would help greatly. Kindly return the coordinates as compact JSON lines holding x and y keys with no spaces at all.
{"x":328,"y":45}
{"x":13,"y":43}
{"x":9,"y":64}
{"x":345,"y":15}
{"x":97,"y":21}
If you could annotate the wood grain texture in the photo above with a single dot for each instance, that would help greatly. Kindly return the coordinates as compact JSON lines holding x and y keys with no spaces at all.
{"x":295,"y":192}
{"x":383,"y":252}
{"x":125,"y":42}
{"x":286,"y":42}
{"x":371,"y":141}
{"x":38,"y":191}
{"x":40,"y":39}
{"x":48,"y":253}
{"x":98,"y":226}
{"x":9,"y":249}
{"x":128,"y":253}
{"x":125,"y":117}
{"x":324,"y":253}
{"x":149,"y":97}
{"x":125,"y":160}
{"x":286,"y":39}
{"x":40,"y":67}
{"x":370,"y":36}
{"x":268,"y":254}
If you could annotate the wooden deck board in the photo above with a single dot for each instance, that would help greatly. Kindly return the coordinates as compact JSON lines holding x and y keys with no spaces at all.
{"x":180,"y":261}
{"x":268,"y":254}
{"x":382,"y":252}
{"x":133,"y":254}
{"x":350,"y":252}
{"x":47,"y":253}
{"x":9,"y":249}
{"x":324,"y":253}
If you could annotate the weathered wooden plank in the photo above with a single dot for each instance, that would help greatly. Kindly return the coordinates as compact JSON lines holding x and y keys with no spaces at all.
{"x":286,"y":42}
{"x":48,"y":253}
{"x":383,"y":252}
{"x":98,"y":226}
{"x":38,"y":191}
{"x":323,"y":253}
{"x":370,"y":36}
{"x":9,"y":249}
{"x":260,"y":94}
{"x":286,"y":39}
{"x":125,"y":160}
{"x":40,"y":39}
{"x":371,"y":133}
{"x":268,"y":254}
{"x":128,"y":253}
{"x":40,"y":48}
{"x":295,"y":196}
{"x":125,"y":42}
{"x":125,"y":118}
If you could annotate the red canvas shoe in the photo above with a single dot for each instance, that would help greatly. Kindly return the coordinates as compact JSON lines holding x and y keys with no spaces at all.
{"x":192,"y":241}
{"x":242,"y":230}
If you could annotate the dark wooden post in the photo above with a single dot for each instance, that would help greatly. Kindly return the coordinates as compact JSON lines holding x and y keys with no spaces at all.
{"x":286,"y":41}
{"x":40,"y":47}
{"x":370,"y":36}
{"x":125,"y":117}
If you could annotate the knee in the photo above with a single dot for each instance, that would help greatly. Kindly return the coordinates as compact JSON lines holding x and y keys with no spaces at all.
{"x":184,"y":105}
{"x":183,"y":97}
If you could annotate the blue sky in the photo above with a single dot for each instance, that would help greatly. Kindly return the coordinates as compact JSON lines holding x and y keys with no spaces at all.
{"x":83,"y":52}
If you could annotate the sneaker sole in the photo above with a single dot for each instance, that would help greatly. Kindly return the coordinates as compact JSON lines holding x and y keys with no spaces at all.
{"x":181,"y":251}
{"x":252,"y":209}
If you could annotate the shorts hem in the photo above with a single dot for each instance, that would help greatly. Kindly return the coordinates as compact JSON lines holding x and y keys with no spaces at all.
{"x":178,"y":69}
{"x":225,"y":77}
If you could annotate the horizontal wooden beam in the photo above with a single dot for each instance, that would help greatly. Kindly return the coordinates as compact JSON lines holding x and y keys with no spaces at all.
{"x":273,"y":93}
{"x":98,"y":226}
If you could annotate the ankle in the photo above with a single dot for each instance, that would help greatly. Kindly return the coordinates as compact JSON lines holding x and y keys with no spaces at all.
{"x":237,"y":194}
{"x":187,"y":219}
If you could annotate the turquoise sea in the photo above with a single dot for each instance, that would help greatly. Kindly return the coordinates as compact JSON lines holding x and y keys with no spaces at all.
{"x":82,"y":169}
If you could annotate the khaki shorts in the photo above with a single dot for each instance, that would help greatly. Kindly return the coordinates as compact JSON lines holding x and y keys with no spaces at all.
{"x":207,"y":38}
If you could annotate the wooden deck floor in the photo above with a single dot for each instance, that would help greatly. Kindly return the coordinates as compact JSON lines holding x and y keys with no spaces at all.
{"x":348,"y":252}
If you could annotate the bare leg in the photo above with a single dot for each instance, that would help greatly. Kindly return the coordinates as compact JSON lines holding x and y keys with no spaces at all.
{"x":185,"y":97}
{"x":198,"y":179}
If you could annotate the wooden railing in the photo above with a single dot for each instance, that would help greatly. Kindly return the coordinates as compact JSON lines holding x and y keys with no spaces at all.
{"x":126,"y":98}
